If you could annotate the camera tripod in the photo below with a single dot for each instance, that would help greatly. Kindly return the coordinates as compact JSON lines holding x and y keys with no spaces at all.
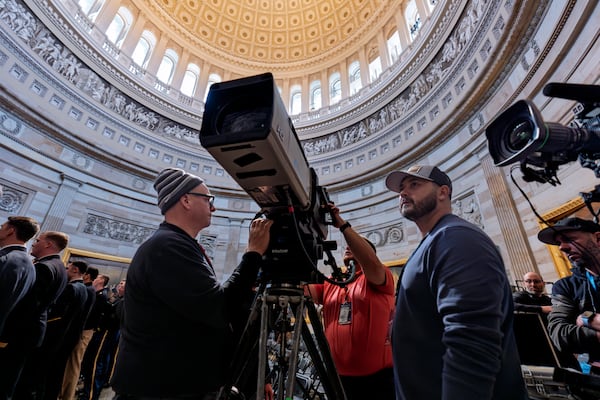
{"x":279,"y":310}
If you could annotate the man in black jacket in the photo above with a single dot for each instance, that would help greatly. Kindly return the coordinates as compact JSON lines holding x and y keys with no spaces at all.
{"x":533,"y":298}
{"x":43,"y":372}
{"x":573,"y":322}
{"x":174,"y":337}
{"x":17,"y":277}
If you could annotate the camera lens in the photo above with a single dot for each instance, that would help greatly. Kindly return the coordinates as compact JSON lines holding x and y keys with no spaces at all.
{"x":520,"y":136}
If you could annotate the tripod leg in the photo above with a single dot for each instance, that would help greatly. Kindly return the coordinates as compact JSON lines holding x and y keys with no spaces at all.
{"x":318,"y":349}
{"x":262,"y":350}
{"x":293,"y":362}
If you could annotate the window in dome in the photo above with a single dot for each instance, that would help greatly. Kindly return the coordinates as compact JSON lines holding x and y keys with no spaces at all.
{"x":167,"y":66}
{"x":212,"y":78}
{"x":295,"y":100}
{"x":354,"y":76}
{"x":143,"y":49}
{"x":118,"y":28}
{"x":413,"y":19}
{"x":375,"y":69}
{"x":315,"y":95}
{"x":190,"y":80}
{"x":335,"y":88}
{"x":394,"y":47}
{"x":91,"y":8}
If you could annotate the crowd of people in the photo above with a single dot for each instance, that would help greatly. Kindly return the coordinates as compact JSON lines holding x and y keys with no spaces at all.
{"x":49,"y":312}
{"x":444,"y":330}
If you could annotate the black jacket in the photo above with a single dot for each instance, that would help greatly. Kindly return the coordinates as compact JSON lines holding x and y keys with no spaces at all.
{"x":175,"y":336}
{"x":572,"y":296}
{"x":27,"y":324}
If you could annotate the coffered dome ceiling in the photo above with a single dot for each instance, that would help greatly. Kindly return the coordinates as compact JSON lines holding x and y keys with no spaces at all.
{"x":280,"y":34}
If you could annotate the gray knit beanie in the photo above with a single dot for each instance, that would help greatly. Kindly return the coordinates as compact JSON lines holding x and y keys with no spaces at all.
{"x":171,"y":184}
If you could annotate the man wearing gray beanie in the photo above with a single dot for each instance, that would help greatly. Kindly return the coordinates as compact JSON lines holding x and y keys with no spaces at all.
{"x":175,"y":331}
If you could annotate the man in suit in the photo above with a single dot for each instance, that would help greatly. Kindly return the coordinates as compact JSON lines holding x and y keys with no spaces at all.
{"x":26,"y":326}
{"x":43,"y":372}
{"x":17,"y":277}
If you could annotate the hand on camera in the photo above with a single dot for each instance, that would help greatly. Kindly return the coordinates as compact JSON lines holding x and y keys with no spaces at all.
{"x":259,"y":235}
{"x":336,"y":219}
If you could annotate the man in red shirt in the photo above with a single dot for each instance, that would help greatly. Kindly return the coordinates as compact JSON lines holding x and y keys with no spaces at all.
{"x":357,"y":319}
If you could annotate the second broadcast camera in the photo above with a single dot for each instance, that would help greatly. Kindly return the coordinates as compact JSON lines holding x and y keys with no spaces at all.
{"x":520,"y":134}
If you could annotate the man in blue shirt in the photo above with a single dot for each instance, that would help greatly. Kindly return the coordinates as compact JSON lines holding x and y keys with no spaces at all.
{"x":452,"y":336}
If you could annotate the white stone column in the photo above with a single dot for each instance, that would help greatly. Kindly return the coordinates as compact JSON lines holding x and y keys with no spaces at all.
{"x":305,"y":94}
{"x":157,"y":55}
{"x":107,"y":14}
{"x":344,"y":78}
{"x":364,"y":66}
{"x":134,"y":35}
{"x":423,"y":10}
{"x":402,"y":28}
{"x":324,"y":88}
{"x":61,"y":203}
{"x":383,"y":51}
{"x":180,"y":69}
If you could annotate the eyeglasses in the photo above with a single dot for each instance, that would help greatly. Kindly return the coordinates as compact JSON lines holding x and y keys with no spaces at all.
{"x":210,"y":197}
{"x":532,"y":281}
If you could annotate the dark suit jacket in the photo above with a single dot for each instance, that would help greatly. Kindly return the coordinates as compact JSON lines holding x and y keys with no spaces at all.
{"x":27,"y":323}
{"x":17,"y":277}
{"x":66,"y":318}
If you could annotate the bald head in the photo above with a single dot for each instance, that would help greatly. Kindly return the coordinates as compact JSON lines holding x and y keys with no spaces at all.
{"x":534,"y":283}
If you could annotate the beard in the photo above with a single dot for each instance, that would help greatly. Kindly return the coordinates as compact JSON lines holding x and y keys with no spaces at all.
{"x":418,"y":210}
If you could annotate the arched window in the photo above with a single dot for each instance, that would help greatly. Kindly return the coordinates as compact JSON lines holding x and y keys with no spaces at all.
{"x":295,"y":100}
{"x":394,"y":47}
{"x":354,"y":76}
{"x":167,"y":66}
{"x":190,"y":80}
{"x":335,"y":88}
{"x":212,"y":78}
{"x":315,"y":99}
{"x":375,"y":69}
{"x":413,"y":19}
{"x":90,"y":8}
{"x":143,"y":49}
{"x":119,"y":26}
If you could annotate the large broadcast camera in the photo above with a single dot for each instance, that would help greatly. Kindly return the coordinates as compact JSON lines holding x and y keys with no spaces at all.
{"x":519,"y":134}
{"x":247,"y":130}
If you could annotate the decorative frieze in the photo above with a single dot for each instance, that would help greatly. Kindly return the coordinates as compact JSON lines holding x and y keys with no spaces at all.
{"x":114,"y":229}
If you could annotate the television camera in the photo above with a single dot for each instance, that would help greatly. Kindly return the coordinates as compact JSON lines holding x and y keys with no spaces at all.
{"x":247,"y":130}
{"x":519,"y":134}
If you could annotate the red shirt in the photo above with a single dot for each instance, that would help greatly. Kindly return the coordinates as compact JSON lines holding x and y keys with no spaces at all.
{"x":362,"y":346}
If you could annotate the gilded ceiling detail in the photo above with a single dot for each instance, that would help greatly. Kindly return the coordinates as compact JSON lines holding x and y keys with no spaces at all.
{"x":274,"y":33}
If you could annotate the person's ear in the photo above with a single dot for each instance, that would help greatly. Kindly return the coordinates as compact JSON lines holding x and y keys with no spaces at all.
{"x":597,"y":236}
{"x":445,"y":190}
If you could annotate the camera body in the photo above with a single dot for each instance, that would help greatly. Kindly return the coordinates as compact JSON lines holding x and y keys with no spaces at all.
{"x":519,"y":134}
{"x":246,"y":128}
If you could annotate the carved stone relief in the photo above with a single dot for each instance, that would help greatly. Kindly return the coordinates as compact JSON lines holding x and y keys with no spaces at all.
{"x":12,"y":200}
{"x":41,"y":41}
{"x":111,"y":228}
{"x":467,"y":207}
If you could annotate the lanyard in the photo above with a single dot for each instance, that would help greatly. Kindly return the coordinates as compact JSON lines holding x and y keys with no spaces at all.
{"x":591,"y":279}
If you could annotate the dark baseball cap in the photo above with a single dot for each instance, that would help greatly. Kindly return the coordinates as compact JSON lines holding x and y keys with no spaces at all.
{"x":548,"y":235}
{"x":427,"y":172}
